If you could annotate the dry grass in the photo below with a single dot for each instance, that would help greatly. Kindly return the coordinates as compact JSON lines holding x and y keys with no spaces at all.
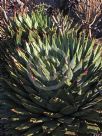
{"x":90,"y":8}
{"x":89,"y":12}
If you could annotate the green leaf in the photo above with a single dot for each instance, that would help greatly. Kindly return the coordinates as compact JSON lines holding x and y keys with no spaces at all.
{"x":38,"y":100}
{"x":28,"y":21}
{"x":33,"y":131}
{"x":68,"y":110}
{"x":50,"y":126}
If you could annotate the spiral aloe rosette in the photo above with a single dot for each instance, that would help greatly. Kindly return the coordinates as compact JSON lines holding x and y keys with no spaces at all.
{"x":54,"y":88}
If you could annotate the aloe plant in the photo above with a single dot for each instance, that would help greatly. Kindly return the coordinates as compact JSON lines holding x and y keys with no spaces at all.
{"x":55,"y":80}
{"x":54,"y":87}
